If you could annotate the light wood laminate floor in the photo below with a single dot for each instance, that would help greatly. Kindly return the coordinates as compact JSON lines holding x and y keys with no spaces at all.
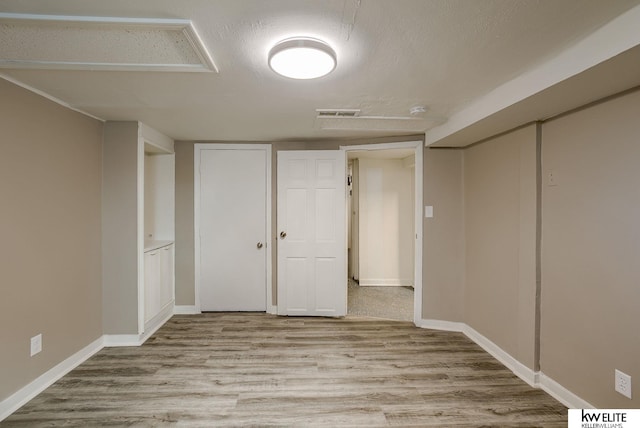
{"x":247,"y":369}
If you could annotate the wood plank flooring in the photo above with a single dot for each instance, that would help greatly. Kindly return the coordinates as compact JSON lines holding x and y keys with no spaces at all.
{"x":247,"y":369}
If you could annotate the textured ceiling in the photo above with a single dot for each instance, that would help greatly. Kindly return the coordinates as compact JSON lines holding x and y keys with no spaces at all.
{"x":53,"y":42}
{"x":392,"y":55}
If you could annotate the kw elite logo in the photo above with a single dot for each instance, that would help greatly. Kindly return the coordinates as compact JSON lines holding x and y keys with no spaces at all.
{"x":599,"y":418}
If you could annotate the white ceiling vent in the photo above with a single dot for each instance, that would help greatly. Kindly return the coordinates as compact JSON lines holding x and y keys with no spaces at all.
{"x":337,"y":112}
{"x":101,"y":43}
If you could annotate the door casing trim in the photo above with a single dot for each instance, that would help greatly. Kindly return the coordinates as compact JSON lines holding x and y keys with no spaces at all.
{"x":418,"y":146}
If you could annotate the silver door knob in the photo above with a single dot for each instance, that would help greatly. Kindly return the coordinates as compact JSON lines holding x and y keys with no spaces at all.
{"x":259,"y":245}
{"x":283,"y":234}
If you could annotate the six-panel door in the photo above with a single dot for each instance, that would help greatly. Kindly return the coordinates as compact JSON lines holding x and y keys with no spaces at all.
{"x":312,"y":276}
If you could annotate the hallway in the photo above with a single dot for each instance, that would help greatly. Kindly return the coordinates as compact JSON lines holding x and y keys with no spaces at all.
{"x":393,"y":303}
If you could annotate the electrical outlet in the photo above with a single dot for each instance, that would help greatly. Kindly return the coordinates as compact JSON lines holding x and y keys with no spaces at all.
{"x":552,"y":178}
{"x":623,"y":383}
{"x":36,"y":344}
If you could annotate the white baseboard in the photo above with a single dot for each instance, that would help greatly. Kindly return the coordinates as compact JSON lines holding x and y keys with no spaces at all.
{"x":156,"y":322}
{"x":22,"y":396}
{"x":28,"y":392}
{"x":442,"y":325}
{"x":193,"y":310}
{"x":562,"y":394}
{"x":185,"y":310}
{"x":519,"y":369}
{"x":533,"y":378}
{"x":386,"y":282}
{"x":116,"y":340}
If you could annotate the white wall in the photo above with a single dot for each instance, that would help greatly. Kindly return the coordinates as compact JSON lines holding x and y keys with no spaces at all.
{"x":159,"y":197}
{"x":386,"y":222}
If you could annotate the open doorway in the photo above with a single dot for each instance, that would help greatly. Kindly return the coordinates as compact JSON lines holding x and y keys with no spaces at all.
{"x":384,"y":251}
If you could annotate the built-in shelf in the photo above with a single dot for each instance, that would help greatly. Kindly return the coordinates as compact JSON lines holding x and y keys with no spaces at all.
{"x":138,"y":216}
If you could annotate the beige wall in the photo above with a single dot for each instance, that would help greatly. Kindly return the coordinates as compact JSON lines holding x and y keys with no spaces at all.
{"x":120,"y":228}
{"x":50,"y":267}
{"x":500,"y":235}
{"x":443,"y":243}
{"x":184,"y":240}
{"x":585,"y":325}
{"x":591,"y":250}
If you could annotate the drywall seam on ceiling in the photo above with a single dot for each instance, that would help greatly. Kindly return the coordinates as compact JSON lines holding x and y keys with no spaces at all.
{"x":47,"y":96}
{"x":135,"y":31}
{"x":613,"y":38}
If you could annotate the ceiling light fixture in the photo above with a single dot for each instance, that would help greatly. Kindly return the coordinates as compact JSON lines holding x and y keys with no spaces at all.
{"x":302,"y":58}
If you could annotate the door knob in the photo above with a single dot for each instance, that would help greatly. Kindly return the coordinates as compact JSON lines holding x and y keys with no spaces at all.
{"x":259,"y":245}
{"x":283,"y":234}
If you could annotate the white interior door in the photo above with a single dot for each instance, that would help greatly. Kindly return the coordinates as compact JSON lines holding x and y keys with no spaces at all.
{"x":232,"y":225}
{"x":312,"y":270}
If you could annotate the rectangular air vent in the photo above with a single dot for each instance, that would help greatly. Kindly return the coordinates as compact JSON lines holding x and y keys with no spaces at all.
{"x":338,"y":112}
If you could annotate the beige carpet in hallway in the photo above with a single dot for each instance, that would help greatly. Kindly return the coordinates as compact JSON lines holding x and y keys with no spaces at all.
{"x":393,"y":303}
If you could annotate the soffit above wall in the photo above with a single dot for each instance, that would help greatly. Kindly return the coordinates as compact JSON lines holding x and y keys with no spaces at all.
{"x":619,"y":74}
{"x":604,"y":63}
{"x":101,"y":43}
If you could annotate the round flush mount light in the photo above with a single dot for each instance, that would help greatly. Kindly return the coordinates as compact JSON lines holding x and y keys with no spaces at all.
{"x":302,"y":58}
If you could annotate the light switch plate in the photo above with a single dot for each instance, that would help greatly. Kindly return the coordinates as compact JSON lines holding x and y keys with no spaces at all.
{"x":428,"y":211}
{"x":36,"y":344}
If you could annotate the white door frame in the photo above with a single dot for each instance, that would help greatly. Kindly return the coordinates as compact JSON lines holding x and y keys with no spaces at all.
{"x":418,"y":177}
{"x":197,"y":151}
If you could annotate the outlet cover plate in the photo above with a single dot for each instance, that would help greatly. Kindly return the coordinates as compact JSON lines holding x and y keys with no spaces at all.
{"x":36,"y":344}
{"x":623,"y":383}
